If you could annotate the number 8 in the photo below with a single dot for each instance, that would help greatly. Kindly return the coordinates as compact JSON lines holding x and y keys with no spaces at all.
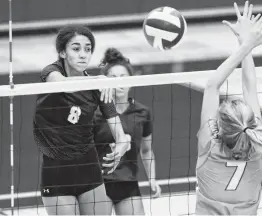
{"x":74,"y":114}
{"x":237,"y":176}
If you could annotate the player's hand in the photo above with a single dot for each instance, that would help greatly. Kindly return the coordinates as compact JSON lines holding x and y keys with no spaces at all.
{"x":106,"y":93}
{"x":243,"y":24}
{"x":110,"y":157}
{"x":253,"y":38}
{"x":118,"y":150}
{"x":155,"y":188}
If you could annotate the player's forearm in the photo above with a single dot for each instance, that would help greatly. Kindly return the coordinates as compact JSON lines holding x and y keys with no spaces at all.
{"x":248,"y":74}
{"x":148,"y":159}
{"x":56,"y":76}
{"x":228,"y":66}
{"x":117,"y":130}
{"x":120,"y":135}
{"x":80,"y":78}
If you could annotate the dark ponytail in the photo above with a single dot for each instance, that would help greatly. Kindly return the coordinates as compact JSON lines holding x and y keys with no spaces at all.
{"x":114,"y":57}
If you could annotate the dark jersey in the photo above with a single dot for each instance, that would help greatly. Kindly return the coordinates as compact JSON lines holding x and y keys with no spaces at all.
{"x":63,"y":122}
{"x":136,"y":122}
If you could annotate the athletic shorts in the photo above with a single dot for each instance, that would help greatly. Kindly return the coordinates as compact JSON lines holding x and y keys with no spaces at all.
{"x":71,"y":177}
{"x":120,"y":190}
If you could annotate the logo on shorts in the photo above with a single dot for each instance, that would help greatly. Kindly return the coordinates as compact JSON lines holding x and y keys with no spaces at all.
{"x":46,"y":190}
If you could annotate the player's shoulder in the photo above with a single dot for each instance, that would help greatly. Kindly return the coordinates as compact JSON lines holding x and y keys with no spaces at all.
{"x":55,"y":66}
{"x":138,"y":107}
{"x":210,"y":127}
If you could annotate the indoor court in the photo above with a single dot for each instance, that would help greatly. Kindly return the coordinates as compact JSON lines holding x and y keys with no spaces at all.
{"x":210,"y":41}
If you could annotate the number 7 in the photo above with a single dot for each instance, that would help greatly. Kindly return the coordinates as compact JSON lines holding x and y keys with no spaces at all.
{"x":237,"y":176}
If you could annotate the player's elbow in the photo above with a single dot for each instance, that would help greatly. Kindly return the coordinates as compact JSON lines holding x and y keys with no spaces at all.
{"x":212,"y":86}
{"x":146,"y":152}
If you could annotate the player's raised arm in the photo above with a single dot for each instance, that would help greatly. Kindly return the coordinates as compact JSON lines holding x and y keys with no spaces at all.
{"x":249,"y":84}
{"x":252,"y":39}
{"x":249,"y":81}
{"x":229,"y":162}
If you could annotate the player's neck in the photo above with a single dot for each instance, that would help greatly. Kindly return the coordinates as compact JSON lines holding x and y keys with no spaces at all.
{"x":71,"y":71}
{"x":121,"y":104}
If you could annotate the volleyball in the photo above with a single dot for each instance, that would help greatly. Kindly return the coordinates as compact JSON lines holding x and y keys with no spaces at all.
{"x":164,"y":27}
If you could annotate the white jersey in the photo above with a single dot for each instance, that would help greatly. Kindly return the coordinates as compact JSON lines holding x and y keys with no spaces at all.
{"x":225,"y":186}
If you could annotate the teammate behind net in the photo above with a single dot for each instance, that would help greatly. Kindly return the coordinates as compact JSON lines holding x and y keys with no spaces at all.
{"x":72,"y":180}
{"x":122,"y":185}
{"x":229,"y":171}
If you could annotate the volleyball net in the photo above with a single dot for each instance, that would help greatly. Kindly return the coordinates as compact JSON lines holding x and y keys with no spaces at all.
{"x":174,"y":100}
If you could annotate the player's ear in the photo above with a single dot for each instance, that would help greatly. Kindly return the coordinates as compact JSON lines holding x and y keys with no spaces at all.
{"x":62,"y":54}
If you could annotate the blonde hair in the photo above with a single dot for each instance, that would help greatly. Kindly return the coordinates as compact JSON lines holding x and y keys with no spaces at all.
{"x":238,"y":126}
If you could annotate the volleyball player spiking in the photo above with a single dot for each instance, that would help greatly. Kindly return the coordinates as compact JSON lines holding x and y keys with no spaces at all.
{"x":72,"y":180}
{"x":229,"y":171}
{"x":122,"y":185}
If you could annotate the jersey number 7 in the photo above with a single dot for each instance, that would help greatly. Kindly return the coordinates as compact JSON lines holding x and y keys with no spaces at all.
{"x":237,"y":175}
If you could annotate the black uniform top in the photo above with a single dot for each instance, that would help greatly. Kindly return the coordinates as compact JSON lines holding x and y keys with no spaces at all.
{"x":136,"y":122}
{"x":63,"y":122}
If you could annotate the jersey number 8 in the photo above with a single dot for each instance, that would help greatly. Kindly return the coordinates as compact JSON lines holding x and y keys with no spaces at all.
{"x":74,"y":114}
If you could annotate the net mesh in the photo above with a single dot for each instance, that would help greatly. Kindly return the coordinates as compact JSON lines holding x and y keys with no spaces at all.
{"x":174,"y":101}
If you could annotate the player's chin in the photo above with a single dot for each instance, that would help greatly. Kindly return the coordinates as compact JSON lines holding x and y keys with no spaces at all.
{"x":120,"y":92}
{"x":80,"y":68}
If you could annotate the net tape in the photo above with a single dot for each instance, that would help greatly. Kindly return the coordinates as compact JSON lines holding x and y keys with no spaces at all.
{"x":197,"y":80}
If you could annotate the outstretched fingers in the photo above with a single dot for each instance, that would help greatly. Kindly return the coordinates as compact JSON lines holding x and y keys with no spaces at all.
{"x":237,"y":11}
{"x":231,"y":26}
{"x":259,"y":22}
{"x":250,"y":11}
{"x":246,"y":9}
{"x":256,"y":18}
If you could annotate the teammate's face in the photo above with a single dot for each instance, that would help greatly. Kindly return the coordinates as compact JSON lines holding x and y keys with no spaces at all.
{"x":77,"y":54}
{"x":119,"y":71}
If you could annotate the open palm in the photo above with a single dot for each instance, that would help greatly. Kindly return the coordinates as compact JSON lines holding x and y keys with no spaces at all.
{"x":244,"y":22}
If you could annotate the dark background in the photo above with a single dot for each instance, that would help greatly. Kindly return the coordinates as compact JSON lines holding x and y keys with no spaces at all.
{"x":34,"y":10}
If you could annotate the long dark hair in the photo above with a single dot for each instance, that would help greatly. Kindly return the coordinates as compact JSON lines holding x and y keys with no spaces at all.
{"x":67,"y":33}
